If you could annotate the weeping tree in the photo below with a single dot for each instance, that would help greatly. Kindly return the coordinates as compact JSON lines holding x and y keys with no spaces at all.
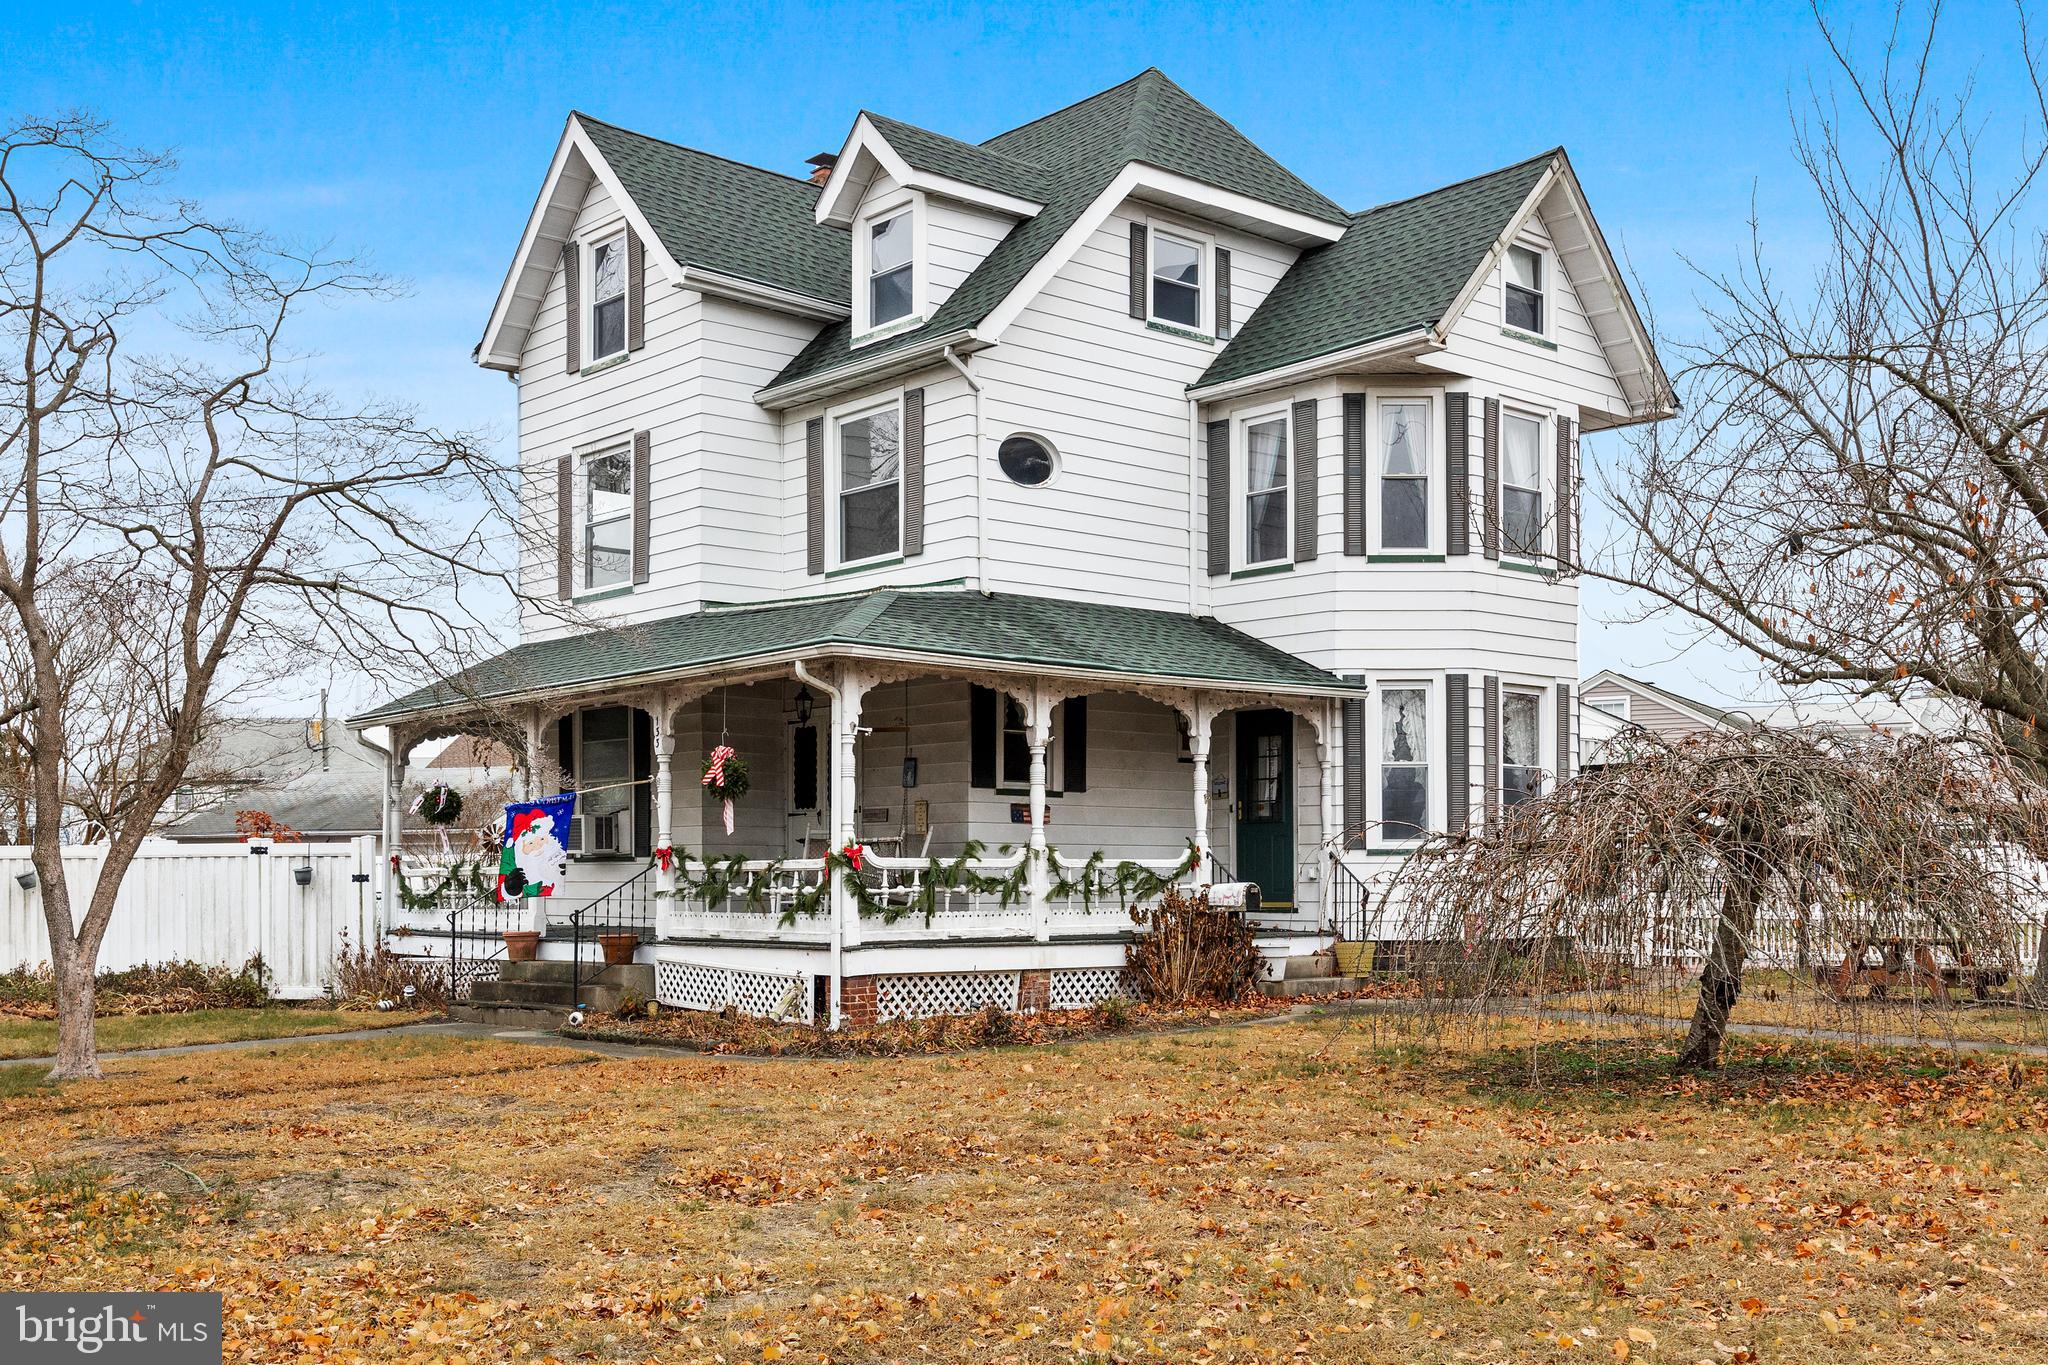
{"x":1697,"y":846}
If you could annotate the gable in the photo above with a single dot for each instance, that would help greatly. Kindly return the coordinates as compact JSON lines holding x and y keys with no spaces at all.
{"x":704,"y":220}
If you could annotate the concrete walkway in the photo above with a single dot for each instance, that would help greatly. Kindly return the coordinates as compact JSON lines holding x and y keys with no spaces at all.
{"x":1307,"y":1009}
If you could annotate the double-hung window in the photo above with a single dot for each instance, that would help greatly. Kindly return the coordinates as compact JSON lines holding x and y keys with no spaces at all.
{"x":1523,"y":306}
{"x":1176,"y":280}
{"x":1404,"y":474}
{"x":1016,"y":748}
{"x":607,"y":518}
{"x":889,"y":269}
{"x":1521,"y":736}
{"x":1521,"y":485}
{"x":1265,"y":491}
{"x":608,"y":298}
{"x":870,"y":484}
{"x":1404,"y":761}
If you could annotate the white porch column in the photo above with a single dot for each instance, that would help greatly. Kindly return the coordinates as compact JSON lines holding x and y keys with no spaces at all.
{"x":664,"y":754}
{"x":1038,"y":735}
{"x":529,"y":777}
{"x":846,"y":709}
{"x":1329,"y":744}
{"x":394,"y":818}
{"x":1201,"y":720}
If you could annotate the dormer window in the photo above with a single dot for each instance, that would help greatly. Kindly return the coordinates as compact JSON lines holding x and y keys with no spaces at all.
{"x":889,"y":270}
{"x":608,"y":298}
{"x":1176,"y":280}
{"x":1524,"y":304}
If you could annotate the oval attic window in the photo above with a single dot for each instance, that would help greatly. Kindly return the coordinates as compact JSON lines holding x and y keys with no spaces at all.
{"x":1027,"y":460}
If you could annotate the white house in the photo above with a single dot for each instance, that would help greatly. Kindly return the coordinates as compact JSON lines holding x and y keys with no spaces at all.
{"x":1100,"y":488}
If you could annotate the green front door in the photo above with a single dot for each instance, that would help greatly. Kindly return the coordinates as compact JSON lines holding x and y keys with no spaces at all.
{"x":1265,"y":804}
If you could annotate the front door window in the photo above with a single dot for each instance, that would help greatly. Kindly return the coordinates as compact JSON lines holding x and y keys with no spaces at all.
{"x":1265,"y":808}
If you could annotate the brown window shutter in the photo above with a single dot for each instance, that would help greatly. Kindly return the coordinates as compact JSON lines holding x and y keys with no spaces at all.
{"x":1140,"y":282}
{"x":636,"y":292}
{"x":1354,"y":768}
{"x":643,"y":492}
{"x":1490,"y":747}
{"x":1223,"y":328}
{"x":565,"y":528}
{"x":1219,"y":499}
{"x":1457,"y":751}
{"x":814,"y":496}
{"x":1307,"y":490}
{"x":982,"y":711}
{"x":1564,"y":735}
{"x":1458,"y":479}
{"x":643,"y":784}
{"x":572,"y":311}
{"x":1354,"y":474}
{"x":1074,"y":743}
{"x":1489,"y":515}
{"x":1567,"y":499}
{"x":913,"y":472}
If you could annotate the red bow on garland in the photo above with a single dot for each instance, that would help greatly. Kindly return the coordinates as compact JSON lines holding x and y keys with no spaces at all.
{"x":852,"y":854}
{"x":394,"y":862}
{"x":664,"y":856}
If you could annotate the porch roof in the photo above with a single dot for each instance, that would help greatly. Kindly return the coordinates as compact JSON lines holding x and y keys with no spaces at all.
{"x":1004,"y":630}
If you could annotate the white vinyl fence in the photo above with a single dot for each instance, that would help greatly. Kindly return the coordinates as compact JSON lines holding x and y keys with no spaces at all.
{"x":218,"y":905}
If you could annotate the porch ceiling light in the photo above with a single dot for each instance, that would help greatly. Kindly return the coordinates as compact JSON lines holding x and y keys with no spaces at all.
{"x":803,"y":705}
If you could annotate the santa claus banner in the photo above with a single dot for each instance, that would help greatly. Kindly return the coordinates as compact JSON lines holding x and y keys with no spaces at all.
{"x":536,"y":854}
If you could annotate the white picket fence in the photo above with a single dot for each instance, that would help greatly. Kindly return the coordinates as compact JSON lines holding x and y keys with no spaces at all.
{"x":215,"y":905}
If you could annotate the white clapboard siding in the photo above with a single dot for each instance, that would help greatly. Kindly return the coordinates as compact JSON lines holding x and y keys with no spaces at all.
{"x":958,"y":238}
{"x":214,"y":905}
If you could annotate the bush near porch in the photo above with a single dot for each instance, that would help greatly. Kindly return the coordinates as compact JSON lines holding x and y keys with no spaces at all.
{"x":153,"y":988}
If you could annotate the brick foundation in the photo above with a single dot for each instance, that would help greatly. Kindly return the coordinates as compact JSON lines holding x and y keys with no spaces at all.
{"x":857,"y":1001}
{"x":1034,"y":990}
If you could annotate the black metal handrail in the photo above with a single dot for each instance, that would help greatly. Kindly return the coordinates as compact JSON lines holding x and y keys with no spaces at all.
{"x":627,"y":906}
{"x":1350,"y":904}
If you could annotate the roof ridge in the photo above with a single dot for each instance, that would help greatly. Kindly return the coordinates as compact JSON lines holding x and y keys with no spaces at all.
{"x":1065,"y":108}
{"x":980,"y":147}
{"x":1454,"y":184}
{"x":796,"y":180}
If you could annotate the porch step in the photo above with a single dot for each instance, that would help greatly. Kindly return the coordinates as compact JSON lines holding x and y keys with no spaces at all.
{"x":548,"y":990}
{"x":508,"y":1016}
{"x":1310,"y":965}
{"x":636,"y":976}
{"x":1288,"y":988}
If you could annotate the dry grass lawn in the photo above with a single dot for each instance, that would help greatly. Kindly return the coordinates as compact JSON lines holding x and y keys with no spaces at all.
{"x":1316,"y":1191}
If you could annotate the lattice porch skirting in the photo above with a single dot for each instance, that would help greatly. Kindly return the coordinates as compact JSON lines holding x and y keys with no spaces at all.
{"x":1075,"y":988}
{"x":929,"y":995}
{"x":700,"y":986}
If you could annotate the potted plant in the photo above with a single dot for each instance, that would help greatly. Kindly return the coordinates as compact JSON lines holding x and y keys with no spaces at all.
{"x":618,"y":948}
{"x":522,"y":945}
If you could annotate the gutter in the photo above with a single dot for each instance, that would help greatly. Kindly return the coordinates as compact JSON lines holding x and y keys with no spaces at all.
{"x":850,"y":376}
{"x":980,"y":477}
{"x":1418,"y":340}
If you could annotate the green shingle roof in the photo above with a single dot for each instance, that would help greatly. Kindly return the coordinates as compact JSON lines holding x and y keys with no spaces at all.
{"x":1002,"y":628}
{"x":947,"y":156}
{"x":1147,"y":119}
{"x":1396,"y":268}
{"x":724,"y":216}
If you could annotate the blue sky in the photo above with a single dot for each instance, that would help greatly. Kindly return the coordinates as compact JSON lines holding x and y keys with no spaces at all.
{"x":416,"y":134}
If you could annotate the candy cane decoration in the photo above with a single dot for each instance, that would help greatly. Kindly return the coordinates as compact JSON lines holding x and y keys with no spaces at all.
{"x":714,"y":777}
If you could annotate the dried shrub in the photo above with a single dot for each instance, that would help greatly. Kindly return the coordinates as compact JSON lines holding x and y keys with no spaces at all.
{"x":1191,"y":952}
{"x":151,"y":988}
{"x":364,"y":975}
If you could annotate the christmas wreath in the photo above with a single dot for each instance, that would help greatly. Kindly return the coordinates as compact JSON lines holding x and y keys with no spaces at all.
{"x":439,"y":804}
{"x":725,"y":774}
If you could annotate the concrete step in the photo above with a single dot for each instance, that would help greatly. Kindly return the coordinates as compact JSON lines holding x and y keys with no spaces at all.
{"x":1292,"y":987}
{"x":636,"y":976}
{"x":1309,"y":965}
{"x":508,"y":1016}
{"x":550,"y":995}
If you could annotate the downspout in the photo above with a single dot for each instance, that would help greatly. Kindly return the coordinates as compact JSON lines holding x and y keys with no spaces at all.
{"x":838,"y":940}
{"x":1194,"y":486}
{"x":980,"y":478}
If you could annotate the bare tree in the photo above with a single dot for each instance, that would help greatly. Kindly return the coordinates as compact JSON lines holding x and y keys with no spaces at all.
{"x":1858,"y":493}
{"x":184,"y":517}
{"x":1919,"y":841}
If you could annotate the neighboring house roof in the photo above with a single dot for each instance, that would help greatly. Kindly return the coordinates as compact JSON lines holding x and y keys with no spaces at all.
{"x":474,"y":752}
{"x":1704,"y":712}
{"x":319,"y":804}
{"x":995,"y":628}
{"x":246,"y":751}
{"x":1146,"y":119}
{"x":1398,"y":268}
{"x":728,"y":217}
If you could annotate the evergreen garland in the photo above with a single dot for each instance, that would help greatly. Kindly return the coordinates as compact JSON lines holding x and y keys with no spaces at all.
{"x":461,"y":876}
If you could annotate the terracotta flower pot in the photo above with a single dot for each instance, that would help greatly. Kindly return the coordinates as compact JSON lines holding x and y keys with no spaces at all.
{"x":618,"y":948}
{"x":521,"y":945}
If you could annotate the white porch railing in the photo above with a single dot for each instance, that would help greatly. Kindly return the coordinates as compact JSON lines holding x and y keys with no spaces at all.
{"x":765,"y":891}
{"x":1095,"y":905}
{"x":472,"y":911}
{"x":956,"y":912}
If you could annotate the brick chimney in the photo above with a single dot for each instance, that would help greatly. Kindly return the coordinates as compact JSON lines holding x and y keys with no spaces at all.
{"x":821,"y":166}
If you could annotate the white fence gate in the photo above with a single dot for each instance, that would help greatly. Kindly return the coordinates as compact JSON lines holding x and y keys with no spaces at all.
{"x":218,"y":905}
